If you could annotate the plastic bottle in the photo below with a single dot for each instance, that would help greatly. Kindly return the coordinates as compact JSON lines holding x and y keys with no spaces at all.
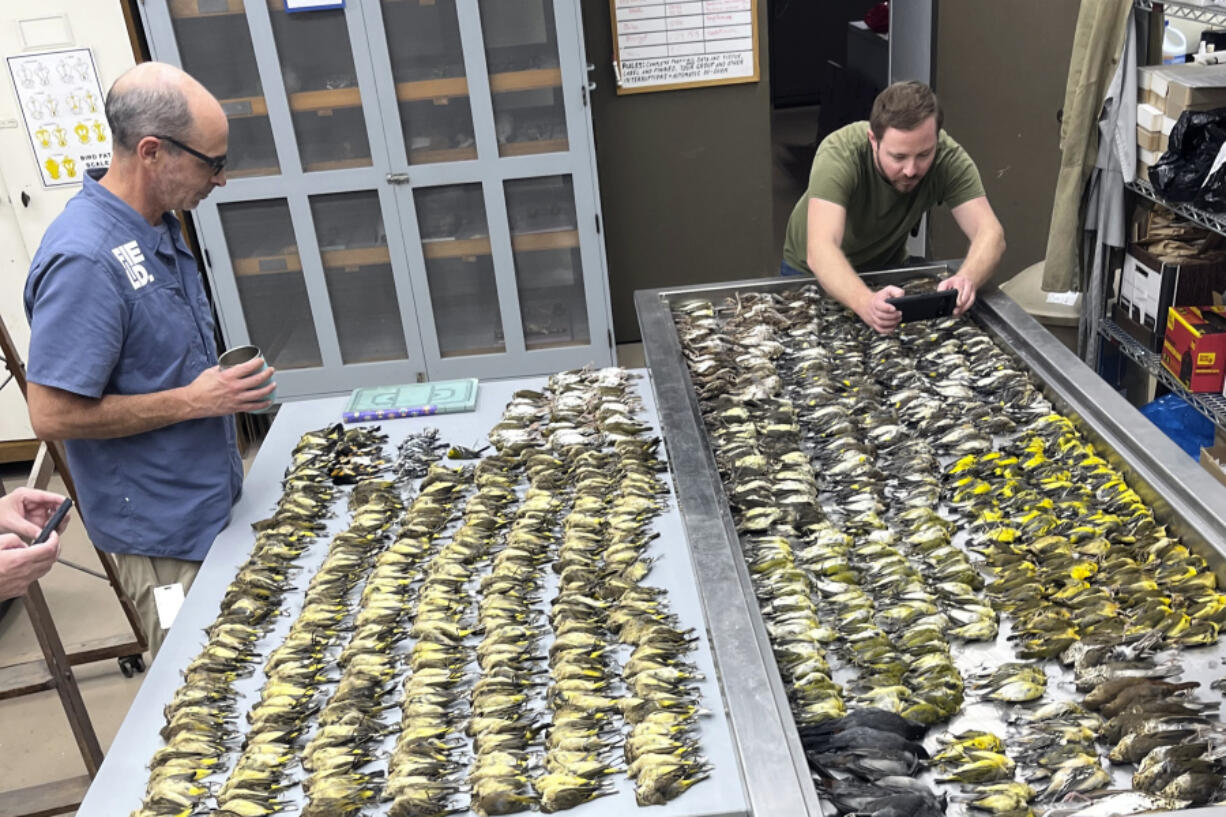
{"x":1174,"y":44}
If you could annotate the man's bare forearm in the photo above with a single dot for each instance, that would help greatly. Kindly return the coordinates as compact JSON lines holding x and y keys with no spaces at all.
{"x":60,"y":415}
{"x":983,"y":255}
{"x":837,"y":277}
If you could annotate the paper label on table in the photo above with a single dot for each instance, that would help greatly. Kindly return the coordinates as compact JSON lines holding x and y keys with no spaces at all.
{"x":1066,"y":298}
{"x":168,"y":598}
{"x":61,"y":101}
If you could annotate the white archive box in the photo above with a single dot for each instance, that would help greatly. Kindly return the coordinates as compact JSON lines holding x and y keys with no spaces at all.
{"x":1149,"y":117}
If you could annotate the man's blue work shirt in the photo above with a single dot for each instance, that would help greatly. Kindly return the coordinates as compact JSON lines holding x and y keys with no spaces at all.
{"x":116,"y":306}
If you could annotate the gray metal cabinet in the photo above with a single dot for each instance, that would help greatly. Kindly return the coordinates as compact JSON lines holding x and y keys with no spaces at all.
{"x":411,"y":186}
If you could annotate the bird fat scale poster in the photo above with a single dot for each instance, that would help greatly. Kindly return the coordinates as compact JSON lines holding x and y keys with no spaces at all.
{"x":61,"y":102}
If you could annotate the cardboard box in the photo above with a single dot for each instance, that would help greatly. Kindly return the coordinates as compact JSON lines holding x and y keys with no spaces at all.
{"x":1192,"y":87}
{"x":1149,"y":287}
{"x":1149,"y":117}
{"x":1213,"y":460}
{"x":1194,"y":349}
{"x":1149,"y":158}
{"x":1149,"y":140}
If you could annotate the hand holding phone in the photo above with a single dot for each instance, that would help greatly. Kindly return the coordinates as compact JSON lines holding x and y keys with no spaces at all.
{"x":925,"y":305}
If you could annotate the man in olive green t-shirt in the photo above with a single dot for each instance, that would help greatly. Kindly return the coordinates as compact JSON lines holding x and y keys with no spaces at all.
{"x":870,"y":184}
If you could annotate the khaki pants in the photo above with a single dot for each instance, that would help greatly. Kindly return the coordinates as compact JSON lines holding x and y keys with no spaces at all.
{"x":138,"y":575}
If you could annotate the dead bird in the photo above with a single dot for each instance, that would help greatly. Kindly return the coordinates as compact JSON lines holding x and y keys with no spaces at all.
{"x":1119,"y":804}
{"x":861,"y":737}
{"x":1196,"y":788}
{"x":865,"y":762}
{"x":906,"y":804}
{"x":1093,"y":677}
{"x":868,"y":718}
{"x":1117,"y":694}
{"x":1080,"y":777}
{"x":1128,"y":720}
{"x":853,"y":796}
{"x":1134,"y":746}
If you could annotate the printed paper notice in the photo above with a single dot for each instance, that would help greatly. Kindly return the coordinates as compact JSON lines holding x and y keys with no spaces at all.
{"x":62,"y":104}
{"x":677,"y":44}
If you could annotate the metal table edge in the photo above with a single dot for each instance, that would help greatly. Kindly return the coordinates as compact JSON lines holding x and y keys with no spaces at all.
{"x":773,"y":765}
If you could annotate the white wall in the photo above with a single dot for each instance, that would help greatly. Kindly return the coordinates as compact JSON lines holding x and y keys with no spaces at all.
{"x":47,"y":25}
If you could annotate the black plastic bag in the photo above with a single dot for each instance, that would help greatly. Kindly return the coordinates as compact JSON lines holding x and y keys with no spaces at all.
{"x":1183,"y":172}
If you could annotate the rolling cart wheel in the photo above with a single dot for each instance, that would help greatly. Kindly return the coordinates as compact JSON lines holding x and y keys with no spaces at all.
{"x":129,"y":665}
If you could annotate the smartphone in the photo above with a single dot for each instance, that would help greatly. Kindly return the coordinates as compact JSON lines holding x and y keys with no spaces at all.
{"x":53,"y":522}
{"x":926,"y":305}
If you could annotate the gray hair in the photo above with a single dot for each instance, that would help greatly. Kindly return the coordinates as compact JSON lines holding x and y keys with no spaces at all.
{"x":147,"y":110}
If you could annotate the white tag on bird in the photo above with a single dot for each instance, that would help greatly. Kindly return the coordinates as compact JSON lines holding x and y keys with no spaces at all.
{"x":168,"y":599}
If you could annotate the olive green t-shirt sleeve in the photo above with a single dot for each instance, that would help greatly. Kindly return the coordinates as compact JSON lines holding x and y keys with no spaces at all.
{"x":835,"y":175}
{"x":961,"y":177}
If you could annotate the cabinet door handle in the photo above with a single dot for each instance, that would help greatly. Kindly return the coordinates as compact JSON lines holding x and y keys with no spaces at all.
{"x":397,"y":178}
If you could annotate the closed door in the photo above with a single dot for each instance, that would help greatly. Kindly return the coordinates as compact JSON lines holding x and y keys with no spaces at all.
{"x":487,"y":130}
{"x":301,"y":258}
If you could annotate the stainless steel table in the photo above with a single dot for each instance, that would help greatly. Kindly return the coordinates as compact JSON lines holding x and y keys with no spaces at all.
{"x":1174,"y":485}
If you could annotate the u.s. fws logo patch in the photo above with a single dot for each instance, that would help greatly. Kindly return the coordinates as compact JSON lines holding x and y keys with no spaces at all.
{"x":133,"y":261}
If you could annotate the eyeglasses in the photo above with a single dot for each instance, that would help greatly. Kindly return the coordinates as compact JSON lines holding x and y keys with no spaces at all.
{"x":215,"y":163}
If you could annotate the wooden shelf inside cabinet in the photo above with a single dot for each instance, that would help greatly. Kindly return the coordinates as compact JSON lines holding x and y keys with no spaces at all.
{"x":180,"y":9}
{"x":247,"y":172}
{"x":505,"y":82}
{"x":425,"y":89}
{"x":338,"y":164}
{"x":325,"y":99}
{"x":292,"y":262}
{"x":244,"y":106}
{"x":1212,"y":406}
{"x":529,"y":242}
{"x":422,"y":157}
{"x":529,"y":80}
{"x":532,"y":148}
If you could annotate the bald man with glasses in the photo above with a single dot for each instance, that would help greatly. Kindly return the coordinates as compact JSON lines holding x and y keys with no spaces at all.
{"x":123,"y":362}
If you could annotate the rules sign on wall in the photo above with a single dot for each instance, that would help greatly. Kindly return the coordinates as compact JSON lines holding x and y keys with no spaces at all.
{"x":661,"y":45}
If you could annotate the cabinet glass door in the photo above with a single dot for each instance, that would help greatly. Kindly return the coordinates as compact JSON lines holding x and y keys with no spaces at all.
{"x":321,"y":82}
{"x":358,"y":270}
{"x":423,"y":41}
{"x":271,"y":288}
{"x":231,"y":75}
{"x":521,"y":55}
{"x":548,"y":269}
{"x":459,"y":270}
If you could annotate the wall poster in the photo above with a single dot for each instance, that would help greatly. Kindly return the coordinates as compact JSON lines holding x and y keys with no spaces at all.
{"x":61,"y":102}
{"x":662,"y":45}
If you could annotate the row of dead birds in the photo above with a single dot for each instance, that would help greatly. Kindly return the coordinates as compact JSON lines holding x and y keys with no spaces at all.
{"x":201,"y":719}
{"x":876,"y":434}
{"x":300,"y":675}
{"x":598,"y":553}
